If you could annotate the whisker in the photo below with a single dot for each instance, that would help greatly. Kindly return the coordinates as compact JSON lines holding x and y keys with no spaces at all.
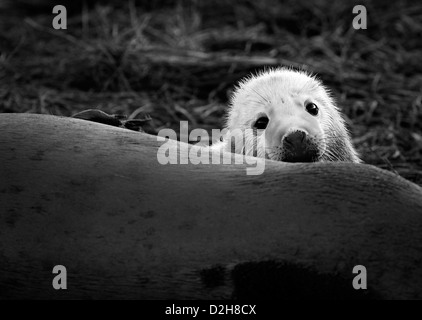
{"x":265,"y":99}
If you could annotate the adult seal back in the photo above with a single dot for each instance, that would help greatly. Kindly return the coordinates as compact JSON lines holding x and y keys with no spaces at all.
{"x":94,"y":199}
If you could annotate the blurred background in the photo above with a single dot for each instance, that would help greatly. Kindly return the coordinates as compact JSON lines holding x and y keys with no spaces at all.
{"x":179,"y":60}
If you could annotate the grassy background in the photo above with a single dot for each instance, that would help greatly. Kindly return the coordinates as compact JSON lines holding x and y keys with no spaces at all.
{"x":178,"y":60}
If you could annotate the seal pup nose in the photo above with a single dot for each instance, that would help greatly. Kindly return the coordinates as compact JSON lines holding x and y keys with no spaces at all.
{"x":295,"y":139}
{"x":298,"y":148}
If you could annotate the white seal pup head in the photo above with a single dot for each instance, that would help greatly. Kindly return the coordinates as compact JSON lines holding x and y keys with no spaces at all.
{"x":291,"y":115}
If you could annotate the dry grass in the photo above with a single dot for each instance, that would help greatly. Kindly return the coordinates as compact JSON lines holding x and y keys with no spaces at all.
{"x":180,"y":61}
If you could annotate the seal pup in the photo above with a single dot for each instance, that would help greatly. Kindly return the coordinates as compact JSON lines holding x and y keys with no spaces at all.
{"x":291,"y":115}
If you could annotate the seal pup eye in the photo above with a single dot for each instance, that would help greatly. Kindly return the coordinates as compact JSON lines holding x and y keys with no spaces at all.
{"x":261,"y":123}
{"x":312,"y":109}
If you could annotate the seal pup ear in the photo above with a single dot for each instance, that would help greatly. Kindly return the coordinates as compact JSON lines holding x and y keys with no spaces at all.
{"x":341,"y":149}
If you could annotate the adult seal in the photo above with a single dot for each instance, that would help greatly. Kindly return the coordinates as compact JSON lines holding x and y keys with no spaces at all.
{"x":286,"y":115}
{"x":94,"y":199}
